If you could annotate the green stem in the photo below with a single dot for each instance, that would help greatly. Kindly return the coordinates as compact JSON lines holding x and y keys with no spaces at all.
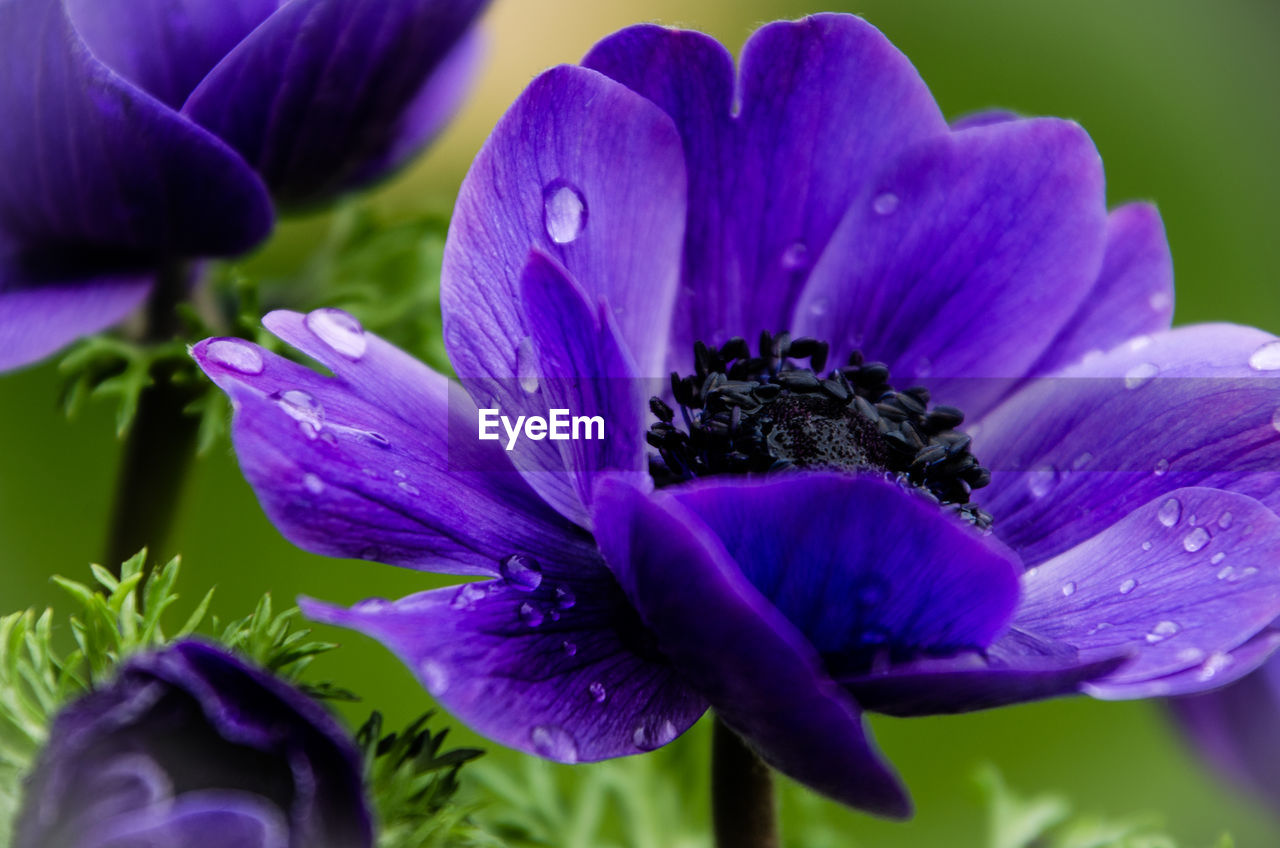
{"x":742,"y":807}
{"x":160,"y":444}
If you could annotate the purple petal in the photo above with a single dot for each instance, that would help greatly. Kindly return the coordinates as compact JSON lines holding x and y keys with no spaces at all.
{"x":550,"y":661}
{"x":165,"y":47}
{"x":985,"y":118}
{"x":380,"y":461}
{"x":877,"y":569}
{"x":965,"y":258}
{"x":591,"y":174}
{"x":759,"y":673}
{"x":95,"y":164}
{"x":1238,"y":729}
{"x":210,"y":819}
{"x":1187,"y":576}
{"x":971,"y":682}
{"x":1218,"y":670}
{"x":1074,"y":453}
{"x":323,"y":88}
{"x":822,"y":104}
{"x":1133,"y":295}
{"x":35,"y":322}
{"x":581,"y":367}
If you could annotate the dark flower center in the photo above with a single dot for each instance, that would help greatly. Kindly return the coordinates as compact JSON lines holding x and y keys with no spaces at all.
{"x":745,"y":414}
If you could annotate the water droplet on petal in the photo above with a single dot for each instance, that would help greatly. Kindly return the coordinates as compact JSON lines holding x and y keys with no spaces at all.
{"x":1217,"y":558}
{"x":520,"y":571}
{"x":1042,"y":480}
{"x":564,"y":212}
{"x":1162,"y":466}
{"x":1214,"y":665}
{"x":796,"y":257}
{"x":1139,"y":375}
{"x":1170,"y":511}
{"x":1068,"y":588}
{"x":1160,"y":301}
{"x":372,"y":605}
{"x":872,"y":591}
{"x":236,"y":355}
{"x":554,"y":743}
{"x":569,"y":648}
{"x":885,"y":204}
{"x":1146,"y":546}
{"x":1191,"y":656}
{"x":527,"y":366}
{"x":377,"y":438}
{"x":434,"y":676}
{"x":1128,"y":586}
{"x":313,"y":483}
{"x":531,"y":615}
{"x":598,"y":692}
{"x":408,"y":487}
{"x":565,"y":599}
{"x":1137,"y":343}
{"x":1195,"y":540}
{"x":303,"y":408}
{"x":819,"y":307}
{"x":1224,"y":520}
{"x":1082,"y":460}
{"x":339,"y":330}
{"x":1266,"y":358}
{"x":1162,"y":631}
{"x":653,"y":733}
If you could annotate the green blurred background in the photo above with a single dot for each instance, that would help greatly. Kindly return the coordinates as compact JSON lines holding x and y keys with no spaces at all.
{"x":1181,"y":98}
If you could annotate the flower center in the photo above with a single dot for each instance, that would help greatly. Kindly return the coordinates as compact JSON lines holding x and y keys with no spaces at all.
{"x":745,"y":414}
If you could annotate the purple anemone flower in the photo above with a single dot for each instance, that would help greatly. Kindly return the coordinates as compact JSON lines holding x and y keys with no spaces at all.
{"x":190,"y":748}
{"x":143,"y":132}
{"x":798,"y":543}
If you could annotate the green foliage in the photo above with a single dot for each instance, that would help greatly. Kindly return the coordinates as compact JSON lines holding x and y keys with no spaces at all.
{"x":1048,"y":821}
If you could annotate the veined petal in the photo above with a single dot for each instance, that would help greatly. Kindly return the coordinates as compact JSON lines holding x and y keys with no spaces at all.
{"x":380,"y":461}
{"x":592,"y":175}
{"x":1171,"y":584}
{"x":323,"y":88}
{"x":553,"y":662}
{"x":95,"y":164}
{"x":758,"y":671}
{"x":822,"y":104}
{"x":965,"y":258}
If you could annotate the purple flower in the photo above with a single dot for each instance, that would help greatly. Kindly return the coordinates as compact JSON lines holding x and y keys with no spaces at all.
{"x":139,"y":132}
{"x":191,"y":748}
{"x":650,"y":210}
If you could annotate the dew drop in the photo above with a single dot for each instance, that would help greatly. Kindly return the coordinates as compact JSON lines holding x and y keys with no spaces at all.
{"x":1068,"y":589}
{"x":1160,"y":301}
{"x":1082,"y":460}
{"x":598,"y":692}
{"x":1224,"y":520}
{"x":236,"y":355}
{"x":1139,"y":375}
{"x":796,"y":257}
{"x":564,"y":212}
{"x":1169,"y":513}
{"x":373,"y":605}
{"x":653,"y":733}
{"x":313,"y":483}
{"x":1042,"y":480}
{"x":565,"y":599}
{"x":1128,"y":586}
{"x":303,"y":408}
{"x":339,"y":330}
{"x":570,"y":648}
{"x":1195,"y":540}
{"x":531,"y":615}
{"x":1217,"y":558}
{"x":1266,"y":358}
{"x":1146,"y":546}
{"x":406,"y":486}
{"x":819,"y":307}
{"x":434,"y":676}
{"x":527,"y":366}
{"x":520,"y":571}
{"x":1191,"y":656}
{"x":1162,"y":467}
{"x":1217,"y":663}
{"x":885,"y":204}
{"x":1163,"y":630}
{"x":1137,"y":343}
{"x":377,"y":438}
{"x":554,"y":743}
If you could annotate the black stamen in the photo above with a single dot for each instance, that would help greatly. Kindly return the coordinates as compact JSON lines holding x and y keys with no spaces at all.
{"x":751,"y":415}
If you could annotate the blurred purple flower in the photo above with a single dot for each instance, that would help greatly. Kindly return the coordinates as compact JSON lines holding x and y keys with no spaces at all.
{"x":140,"y":132}
{"x":191,"y":748}
{"x":624,"y":212}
